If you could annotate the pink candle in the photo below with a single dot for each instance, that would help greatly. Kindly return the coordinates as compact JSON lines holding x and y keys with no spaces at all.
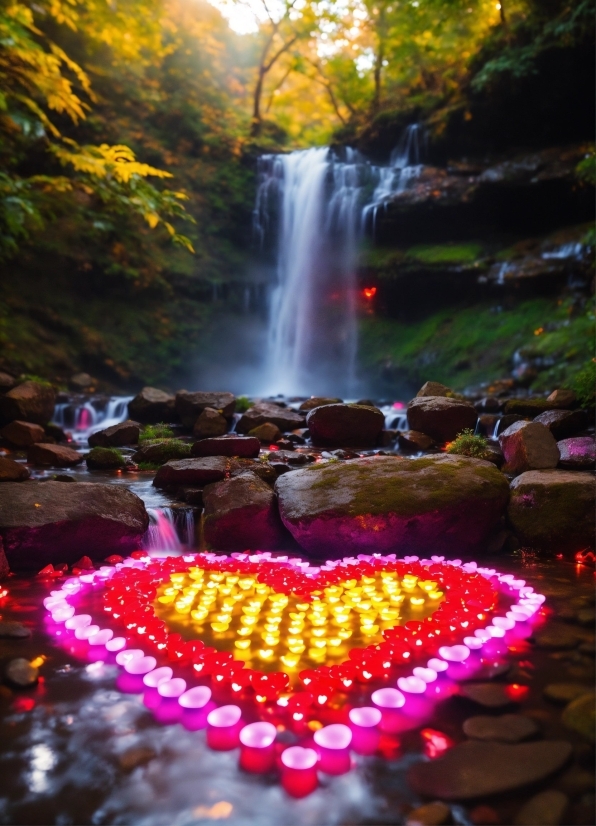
{"x":365,"y":733}
{"x":333,"y":743}
{"x":389,"y":701}
{"x":298,"y":771}
{"x":223,"y":728}
{"x":257,"y":752}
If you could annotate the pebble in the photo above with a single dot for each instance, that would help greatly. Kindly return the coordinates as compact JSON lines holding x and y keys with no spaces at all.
{"x":136,"y":756}
{"x":564,"y":692}
{"x":475,"y":768}
{"x":580,"y":715}
{"x":544,"y":809}
{"x":14,"y":630}
{"x":558,"y":636}
{"x":490,"y":695}
{"x":432,"y":814}
{"x":576,"y":781}
{"x":587,"y":616}
{"x":21,"y":673}
{"x":509,"y":728}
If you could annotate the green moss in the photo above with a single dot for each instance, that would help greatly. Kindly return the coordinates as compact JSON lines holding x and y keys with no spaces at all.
{"x":446,"y":253}
{"x":243,"y":403}
{"x":584,"y":384}
{"x":104,"y":458}
{"x":467,"y":444}
{"x":161,"y":452}
{"x":148,"y":466}
{"x":155,"y":432}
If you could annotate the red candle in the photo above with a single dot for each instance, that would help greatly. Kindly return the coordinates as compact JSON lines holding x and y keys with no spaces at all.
{"x":223,"y":728}
{"x":299,"y":772}
{"x":333,"y":742}
{"x":365,"y":733}
{"x":257,"y":752}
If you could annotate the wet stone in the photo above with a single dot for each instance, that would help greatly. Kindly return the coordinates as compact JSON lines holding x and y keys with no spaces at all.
{"x":490,"y":695}
{"x":564,"y":692}
{"x":580,"y":715}
{"x":475,"y":769}
{"x":432,"y":814}
{"x":509,"y":728}
{"x":544,"y":809}
{"x":134,"y":757}
{"x":14,"y":630}
{"x":11,"y":471}
{"x":21,"y":673}
{"x":557,"y":636}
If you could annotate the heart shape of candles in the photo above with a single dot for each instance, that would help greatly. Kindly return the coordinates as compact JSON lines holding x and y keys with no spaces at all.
{"x":222,"y":601}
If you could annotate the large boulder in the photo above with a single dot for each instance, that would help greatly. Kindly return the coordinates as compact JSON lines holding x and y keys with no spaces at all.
{"x":53,"y":455}
{"x":151,"y":406}
{"x":345,"y":425}
{"x":209,"y":423}
{"x":23,"y":434}
{"x":246,"y":447}
{"x":268,"y":433}
{"x":317,"y":401}
{"x":123,"y":433}
{"x":43,"y":522}
{"x":28,"y":402}
{"x":11,"y":471}
{"x":441,"y":418}
{"x":553,"y":510}
{"x":563,"y":423}
{"x":7,"y":382}
{"x":434,"y":504}
{"x":161,"y":452}
{"x":578,"y":453}
{"x":528,"y":446}
{"x":194,"y":472}
{"x":433,"y":388}
{"x":282,"y":417}
{"x":105,"y":458}
{"x":241,"y":514}
{"x":189,"y":406}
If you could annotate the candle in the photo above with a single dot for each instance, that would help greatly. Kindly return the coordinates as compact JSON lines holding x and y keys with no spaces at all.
{"x":171,"y":689}
{"x":257,"y":752}
{"x":389,"y":701}
{"x":298,"y":771}
{"x":159,"y":675}
{"x":101,"y":637}
{"x":364,"y":723}
{"x":140,"y":665}
{"x":333,"y":742}
{"x":223,"y":728}
{"x":78,"y":621}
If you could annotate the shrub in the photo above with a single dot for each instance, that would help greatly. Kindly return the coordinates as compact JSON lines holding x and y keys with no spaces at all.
{"x":156,"y":432}
{"x":584,"y":384}
{"x":467,"y":444}
{"x":243,"y":403}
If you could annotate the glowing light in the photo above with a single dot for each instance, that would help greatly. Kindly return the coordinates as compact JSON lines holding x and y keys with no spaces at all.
{"x":369,"y":292}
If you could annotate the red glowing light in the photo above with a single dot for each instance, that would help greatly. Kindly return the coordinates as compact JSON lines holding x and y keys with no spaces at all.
{"x":585,"y":556}
{"x":369,"y":292}
{"x":435,"y":742}
{"x":22,"y":704}
{"x":517,"y":692}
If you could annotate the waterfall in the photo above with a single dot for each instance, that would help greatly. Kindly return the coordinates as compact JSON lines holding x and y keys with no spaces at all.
{"x":312,"y":209}
{"x":170,"y":531}
{"x":85,"y":417}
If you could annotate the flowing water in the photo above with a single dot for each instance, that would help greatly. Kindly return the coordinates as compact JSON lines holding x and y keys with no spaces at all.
{"x":85,"y":416}
{"x":312,"y":211}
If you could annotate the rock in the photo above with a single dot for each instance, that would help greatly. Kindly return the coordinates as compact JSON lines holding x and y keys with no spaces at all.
{"x":124,"y":433}
{"x":316,"y":401}
{"x":345,"y":425}
{"x":194,"y":472}
{"x":55,"y":433}
{"x":209,"y":423}
{"x":14,"y":630}
{"x":489,"y":695}
{"x":344,"y":455}
{"x":20,"y":673}
{"x":151,"y":406}
{"x":580,"y":715}
{"x":104,"y":458}
{"x":290,"y":457}
{"x":11,"y":471}
{"x":6,"y":382}
{"x":22,"y":434}
{"x":432,"y":814}
{"x":578,"y":453}
{"x":528,"y":446}
{"x":487,"y":423}
{"x":412,"y":441}
{"x":484,"y":816}
{"x":241,"y":514}
{"x":528,"y":408}
{"x":563,"y":423}
{"x":477,"y":769}
{"x":82,"y":382}
{"x":433,"y":388}
{"x":264,"y":412}
{"x":507,"y":421}
{"x":441,"y":418}
{"x":50,"y":522}
{"x":544,"y":809}
{"x":162,"y":452}
{"x":246,"y":447}
{"x":189,"y":406}
{"x":136,"y":756}
{"x":53,"y":455}
{"x":557,"y":636}
{"x":562,"y":399}
{"x":489,"y":404}
{"x":553,"y":509}
{"x":28,"y":402}
{"x":508,"y":728}
{"x":432,"y":504}
{"x":493,"y":453}
{"x":564,"y":692}
{"x":268,"y":433}
{"x":4,"y":566}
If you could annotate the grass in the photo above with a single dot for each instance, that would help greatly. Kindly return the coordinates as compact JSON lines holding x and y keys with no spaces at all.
{"x":243,"y":403}
{"x":148,"y":466}
{"x":156,"y":432}
{"x":467,"y":444}
{"x":446,"y":253}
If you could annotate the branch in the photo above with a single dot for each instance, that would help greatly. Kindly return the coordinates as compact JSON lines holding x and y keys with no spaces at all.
{"x":279,"y":53}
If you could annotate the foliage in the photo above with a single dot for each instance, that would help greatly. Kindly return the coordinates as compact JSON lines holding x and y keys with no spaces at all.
{"x":148,"y":466}
{"x":446,"y":253}
{"x":467,"y":444}
{"x":243,"y":403}
{"x":584,"y":384}
{"x":586,"y":168}
{"x":156,"y":432}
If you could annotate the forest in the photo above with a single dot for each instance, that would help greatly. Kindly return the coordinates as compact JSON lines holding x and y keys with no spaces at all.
{"x":130,"y":132}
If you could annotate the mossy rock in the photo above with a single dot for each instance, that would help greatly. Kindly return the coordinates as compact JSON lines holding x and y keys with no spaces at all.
{"x":528,"y":408}
{"x":435,"y":504}
{"x":104,"y":458}
{"x":161,"y":452}
{"x":580,"y":715}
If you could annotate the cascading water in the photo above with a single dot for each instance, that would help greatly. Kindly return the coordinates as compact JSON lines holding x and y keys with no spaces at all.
{"x":170,"y":530}
{"x":312,"y":209}
{"x":85,"y":417}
